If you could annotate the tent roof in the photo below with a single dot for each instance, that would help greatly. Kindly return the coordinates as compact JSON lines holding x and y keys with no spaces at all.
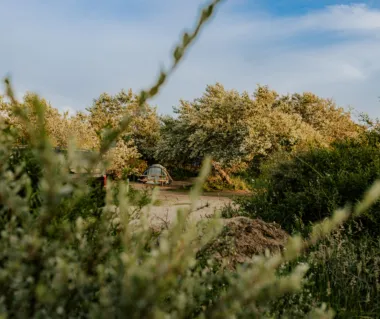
{"x":162,"y":167}
{"x":157,"y":165}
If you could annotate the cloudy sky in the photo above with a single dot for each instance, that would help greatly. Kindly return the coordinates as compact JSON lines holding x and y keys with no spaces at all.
{"x":70,"y":51}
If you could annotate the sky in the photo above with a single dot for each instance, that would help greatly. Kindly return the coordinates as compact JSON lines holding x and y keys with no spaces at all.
{"x":72,"y":51}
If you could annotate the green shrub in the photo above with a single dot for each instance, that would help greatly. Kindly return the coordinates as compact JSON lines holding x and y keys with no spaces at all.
{"x":216,"y":183}
{"x":310,"y":186}
{"x":182,"y":173}
{"x":296,"y":192}
{"x":22,"y":157}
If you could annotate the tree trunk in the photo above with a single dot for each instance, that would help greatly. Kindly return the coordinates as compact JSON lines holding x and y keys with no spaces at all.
{"x":222,"y":173}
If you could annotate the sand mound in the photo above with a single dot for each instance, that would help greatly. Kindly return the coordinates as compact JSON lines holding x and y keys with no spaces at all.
{"x":243,"y":238}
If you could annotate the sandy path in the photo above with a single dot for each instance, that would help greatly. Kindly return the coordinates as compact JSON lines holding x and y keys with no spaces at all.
{"x":170,"y":201}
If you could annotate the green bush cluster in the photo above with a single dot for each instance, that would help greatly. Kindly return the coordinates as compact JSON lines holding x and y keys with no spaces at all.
{"x":22,"y":157}
{"x":308,"y":187}
{"x":296,"y":191}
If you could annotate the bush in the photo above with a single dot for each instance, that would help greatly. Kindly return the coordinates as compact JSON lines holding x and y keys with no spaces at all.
{"x":24,"y":159}
{"x":216,"y":183}
{"x":296,"y":192}
{"x":182,"y":173}
{"x":308,"y":187}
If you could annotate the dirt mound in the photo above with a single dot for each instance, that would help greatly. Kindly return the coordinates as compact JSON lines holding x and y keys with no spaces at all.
{"x":243,"y":238}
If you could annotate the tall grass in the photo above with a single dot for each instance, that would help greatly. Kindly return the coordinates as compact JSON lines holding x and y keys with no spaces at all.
{"x":344,"y":274}
{"x":347,"y":275}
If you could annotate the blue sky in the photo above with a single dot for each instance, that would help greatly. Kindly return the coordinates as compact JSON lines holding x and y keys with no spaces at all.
{"x":71,"y":51}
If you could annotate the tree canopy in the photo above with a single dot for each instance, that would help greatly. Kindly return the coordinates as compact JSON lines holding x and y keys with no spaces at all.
{"x":235,"y":127}
{"x":130,"y":152}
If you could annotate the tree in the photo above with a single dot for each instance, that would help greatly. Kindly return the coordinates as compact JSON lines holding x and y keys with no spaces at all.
{"x":86,"y":129}
{"x":137,"y":144}
{"x":321,"y":114}
{"x":60,"y":127}
{"x":234,"y":127}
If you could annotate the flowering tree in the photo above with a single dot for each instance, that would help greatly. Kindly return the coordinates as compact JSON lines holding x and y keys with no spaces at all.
{"x":137,"y":143}
{"x":235,"y":127}
{"x":130,"y":151}
{"x":60,"y":127}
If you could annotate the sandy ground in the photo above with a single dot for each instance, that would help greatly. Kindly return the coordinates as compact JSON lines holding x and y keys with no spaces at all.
{"x":170,"y":199}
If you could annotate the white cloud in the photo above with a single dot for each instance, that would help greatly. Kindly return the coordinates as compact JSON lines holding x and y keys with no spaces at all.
{"x":348,"y":18}
{"x":333,"y":52}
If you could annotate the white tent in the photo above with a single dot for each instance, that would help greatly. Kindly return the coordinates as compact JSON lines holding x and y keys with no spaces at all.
{"x":156,"y":174}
